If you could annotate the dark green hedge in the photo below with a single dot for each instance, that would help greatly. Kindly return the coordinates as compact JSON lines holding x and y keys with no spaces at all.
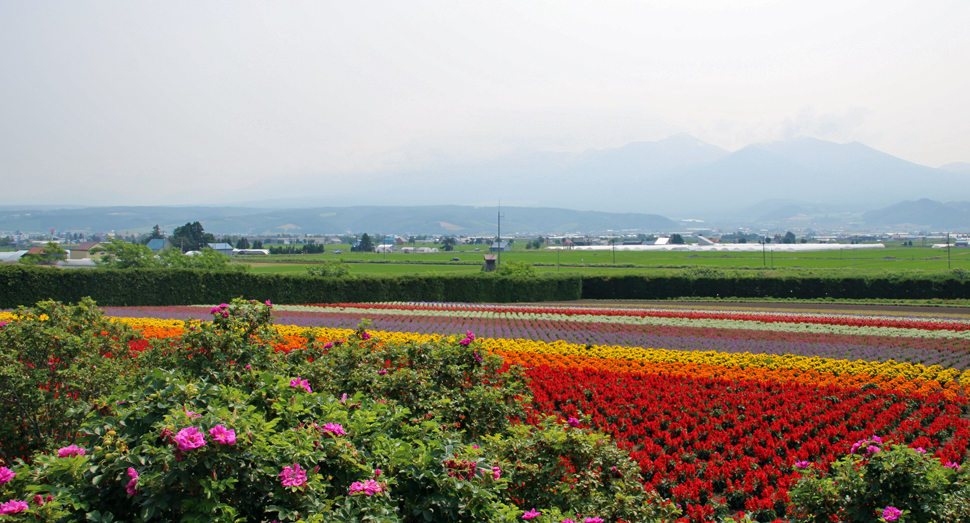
{"x":21,"y":285}
{"x":634,"y":287}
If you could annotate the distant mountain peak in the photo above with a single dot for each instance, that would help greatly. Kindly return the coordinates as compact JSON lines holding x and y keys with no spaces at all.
{"x":957,"y":167}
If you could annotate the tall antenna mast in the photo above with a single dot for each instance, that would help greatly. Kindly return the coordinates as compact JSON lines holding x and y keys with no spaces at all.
{"x":499,"y":262}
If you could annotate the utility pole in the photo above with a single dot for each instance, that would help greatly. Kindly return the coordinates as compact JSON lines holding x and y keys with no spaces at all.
{"x":947,"y":250}
{"x":613,"y":241}
{"x":764,"y":258}
{"x":499,"y":242}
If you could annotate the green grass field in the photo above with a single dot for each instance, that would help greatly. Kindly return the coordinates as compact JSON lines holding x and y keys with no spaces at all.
{"x":890,"y":259}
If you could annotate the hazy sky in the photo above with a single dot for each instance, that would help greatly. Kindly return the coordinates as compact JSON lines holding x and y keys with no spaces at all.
{"x":167,"y":102}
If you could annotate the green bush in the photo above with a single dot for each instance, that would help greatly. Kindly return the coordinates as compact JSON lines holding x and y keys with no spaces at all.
{"x":517,"y":269}
{"x":456,"y":384}
{"x":54,"y":360}
{"x":329,"y":269}
{"x":878,"y":475}
{"x":555,"y":465}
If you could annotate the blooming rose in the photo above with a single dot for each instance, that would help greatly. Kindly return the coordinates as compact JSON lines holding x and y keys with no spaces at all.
{"x":6,"y":475}
{"x":293,"y":476}
{"x":133,"y":482}
{"x":369,"y":487}
{"x":297,"y":383}
{"x":71,"y":450}
{"x":189,"y":438}
{"x":572,"y":422}
{"x":891,"y":513}
{"x":223,"y":435}
{"x":334,"y":428}
{"x":13,"y":507}
{"x":531,"y":514}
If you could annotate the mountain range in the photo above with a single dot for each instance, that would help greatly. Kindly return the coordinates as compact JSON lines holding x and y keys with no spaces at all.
{"x":442,"y":219}
{"x":680,"y":177}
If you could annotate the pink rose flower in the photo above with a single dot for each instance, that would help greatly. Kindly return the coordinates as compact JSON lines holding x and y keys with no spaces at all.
{"x":496,"y":473}
{"x":6,"y":475}
{"x":334,"y":428}
{"x":13,"y":507}
{"x":297,"y":383}
{"x":69,"y":451}
{"x":223,"y":435}
{"x":189,"y":438}
{"x":572,"y":422}
{"x":293,"y":476}
{"x":891,"y":513}
{"x":133,"y":482}
{"x":369,"y":487}
{"x":593,"y":520}
{"x":532,"y":514}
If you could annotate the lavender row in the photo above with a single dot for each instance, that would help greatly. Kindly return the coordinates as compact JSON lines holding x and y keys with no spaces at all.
{"x":845,"y":351}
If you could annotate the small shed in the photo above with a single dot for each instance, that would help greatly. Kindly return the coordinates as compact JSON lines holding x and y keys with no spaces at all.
{"x":490,"y":260}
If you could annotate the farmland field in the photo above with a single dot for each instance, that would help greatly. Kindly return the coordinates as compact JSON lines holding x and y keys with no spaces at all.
{"x":863,"y":261}
{"x":715,"y":405}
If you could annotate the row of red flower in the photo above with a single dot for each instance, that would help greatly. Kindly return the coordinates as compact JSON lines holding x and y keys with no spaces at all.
{"x":848,"y":321}
{"x":705,"y":441}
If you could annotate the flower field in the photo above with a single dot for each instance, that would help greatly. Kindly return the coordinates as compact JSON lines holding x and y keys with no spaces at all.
{"x":716,"y":407}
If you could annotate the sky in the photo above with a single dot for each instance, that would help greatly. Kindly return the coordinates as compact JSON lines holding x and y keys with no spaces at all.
{"x":133,"y":102}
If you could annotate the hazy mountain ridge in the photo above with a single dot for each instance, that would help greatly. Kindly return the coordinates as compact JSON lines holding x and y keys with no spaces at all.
{"x":923,"y":213}
{"x":445,"y":219}
{"x":680,"y":176}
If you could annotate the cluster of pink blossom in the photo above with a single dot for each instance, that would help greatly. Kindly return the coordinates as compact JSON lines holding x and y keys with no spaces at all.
{"x":869,"y":445}
{"x":369,"y":487}
{"x":220,"y":310}
{"x":469,"y":337}
{"x":70,"y":451}
{"x":297,"y":383}
{"x":335,"y":429}
{"x":587,"y":520}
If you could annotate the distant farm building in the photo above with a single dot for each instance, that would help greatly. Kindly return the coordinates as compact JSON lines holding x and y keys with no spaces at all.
{"x":500,"y":247}
{"x":159,"y":244}
{"x":221,"y":248}
{"x":83,"y":251}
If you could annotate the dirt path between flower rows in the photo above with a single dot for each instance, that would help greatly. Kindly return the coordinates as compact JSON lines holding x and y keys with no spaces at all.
{"x":895,"y":310}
